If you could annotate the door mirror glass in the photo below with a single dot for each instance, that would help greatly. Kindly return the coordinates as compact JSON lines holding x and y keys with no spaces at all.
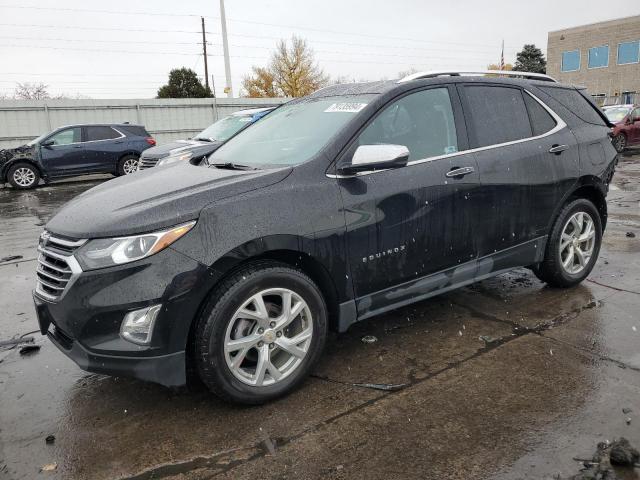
{"x":377,"y":157}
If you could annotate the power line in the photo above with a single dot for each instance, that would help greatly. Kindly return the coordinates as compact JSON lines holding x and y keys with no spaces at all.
{"x":84,"y":40}
{"x":88,"y":10}
{"x":100,"y":50}
{"x":97,"y":28}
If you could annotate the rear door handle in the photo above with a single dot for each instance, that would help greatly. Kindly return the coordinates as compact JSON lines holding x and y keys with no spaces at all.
{"x":558,"y":149}
{"x":459,"y":172}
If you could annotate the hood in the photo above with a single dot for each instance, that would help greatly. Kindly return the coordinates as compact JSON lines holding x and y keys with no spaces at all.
{"x":6,"y":154}
{"x":156,"y":198}
{"x":198,"y":148}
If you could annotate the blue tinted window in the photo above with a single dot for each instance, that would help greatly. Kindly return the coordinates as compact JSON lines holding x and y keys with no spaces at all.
{"x":571,"y":61}
{"x":629,"y":52}
{"x":599,"y":57}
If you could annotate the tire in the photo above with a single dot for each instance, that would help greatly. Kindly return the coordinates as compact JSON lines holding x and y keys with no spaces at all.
{"x":619,"y":142}
{"x":23,"y":176}
{"x":222,"y":322}
{"x":565,"y":262}
{"x":127,"y":165}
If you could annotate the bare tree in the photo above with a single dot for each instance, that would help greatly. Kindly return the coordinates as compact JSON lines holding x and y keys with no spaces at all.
{"x":292,"y":72}
{"x":31,"y":91}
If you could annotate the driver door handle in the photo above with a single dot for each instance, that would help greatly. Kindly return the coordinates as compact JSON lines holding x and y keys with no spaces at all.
{"x":558,"y":149}
{"x":459,"y":172}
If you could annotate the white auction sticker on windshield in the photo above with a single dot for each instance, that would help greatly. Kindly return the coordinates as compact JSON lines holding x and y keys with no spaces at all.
{"x":346,"y":107}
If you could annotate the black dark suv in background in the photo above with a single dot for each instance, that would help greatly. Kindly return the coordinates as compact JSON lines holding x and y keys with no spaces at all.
{"x":334,"y":208}
{"x":75,"y":150}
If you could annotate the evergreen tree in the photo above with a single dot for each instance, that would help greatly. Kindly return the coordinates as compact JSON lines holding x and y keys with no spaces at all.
{"x":530,"y":59}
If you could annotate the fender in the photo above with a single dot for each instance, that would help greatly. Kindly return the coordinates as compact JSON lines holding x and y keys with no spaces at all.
{"x":4,"y":169}
{"x":589,"y":186}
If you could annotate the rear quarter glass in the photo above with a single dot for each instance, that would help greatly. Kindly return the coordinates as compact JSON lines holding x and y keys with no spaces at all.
{"x":577,"y":103}
{"x":134,"y":130}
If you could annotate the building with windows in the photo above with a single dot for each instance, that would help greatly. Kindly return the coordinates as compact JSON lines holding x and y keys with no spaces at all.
{"x":604,"y":57}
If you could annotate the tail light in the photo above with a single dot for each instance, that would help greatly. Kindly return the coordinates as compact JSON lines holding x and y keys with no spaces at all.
{"x":151,"y":141}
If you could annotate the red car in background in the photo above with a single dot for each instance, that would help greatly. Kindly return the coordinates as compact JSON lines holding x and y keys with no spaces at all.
{"x":626,"y":120}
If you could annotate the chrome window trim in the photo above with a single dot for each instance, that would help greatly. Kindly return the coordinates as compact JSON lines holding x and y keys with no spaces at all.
{"x":560,"y":125}
{"x":562,"y":70}
{"x":122,"y":135}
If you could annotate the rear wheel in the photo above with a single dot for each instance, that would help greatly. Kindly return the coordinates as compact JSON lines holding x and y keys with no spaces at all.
{"x":23,"y":175}
{"x":573,"y":245}
{"x":620,"y":142}
{"x":128,"y":164}
{"x":261,"y":333}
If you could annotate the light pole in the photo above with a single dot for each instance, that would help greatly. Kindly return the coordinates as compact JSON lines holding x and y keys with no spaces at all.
{"x":225,"y":46}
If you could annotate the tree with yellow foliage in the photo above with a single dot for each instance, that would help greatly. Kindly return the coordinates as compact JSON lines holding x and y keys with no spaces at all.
{"x":292,"y":72}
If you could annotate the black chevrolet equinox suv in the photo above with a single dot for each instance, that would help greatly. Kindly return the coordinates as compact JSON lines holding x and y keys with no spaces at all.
{"x":336,"y":207}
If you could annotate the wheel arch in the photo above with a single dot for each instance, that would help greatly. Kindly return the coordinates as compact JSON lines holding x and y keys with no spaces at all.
{"x":593,"y":189}
{"x":4,"y":173}
{"x":285,"y":250}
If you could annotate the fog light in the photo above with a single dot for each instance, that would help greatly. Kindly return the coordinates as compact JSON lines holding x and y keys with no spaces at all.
{"x":137,"y":326}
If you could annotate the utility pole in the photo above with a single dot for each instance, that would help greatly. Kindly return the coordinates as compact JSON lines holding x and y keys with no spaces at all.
{"x":204,"y":49}
{"x":228,"y":89}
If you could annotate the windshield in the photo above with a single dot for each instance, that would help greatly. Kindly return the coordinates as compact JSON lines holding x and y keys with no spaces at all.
{"x":37,"y":140}
{"x":292,"y":134}
{"x":225,"y":128}
{"x":616,"y":114}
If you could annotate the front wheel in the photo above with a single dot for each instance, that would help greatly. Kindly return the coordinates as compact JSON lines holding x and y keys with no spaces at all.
{"x":573,"y":245}
{"x":262,"y":332}
{"x":23,"y":176}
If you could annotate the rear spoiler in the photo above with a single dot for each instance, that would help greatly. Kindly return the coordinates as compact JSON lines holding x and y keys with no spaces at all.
{"x":587,"y":97}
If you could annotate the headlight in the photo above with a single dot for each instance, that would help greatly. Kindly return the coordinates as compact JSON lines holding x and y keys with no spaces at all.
{"x":180,"y":157}
{"x":106,"y":252}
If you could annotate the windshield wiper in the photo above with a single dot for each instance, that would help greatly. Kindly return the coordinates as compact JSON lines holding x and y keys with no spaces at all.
{"x":232,"y":166}
{"x":203,"y":139}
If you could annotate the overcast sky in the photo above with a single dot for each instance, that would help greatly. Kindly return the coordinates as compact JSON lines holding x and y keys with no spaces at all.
{"x":90,"y":48}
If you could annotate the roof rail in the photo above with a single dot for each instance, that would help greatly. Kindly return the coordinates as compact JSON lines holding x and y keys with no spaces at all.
{"x":506,"y":73}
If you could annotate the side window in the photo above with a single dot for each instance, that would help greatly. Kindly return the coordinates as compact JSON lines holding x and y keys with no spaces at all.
{"x":422,"y":121}
{"x":541,"y":120}
{"x":635,"y":114}
{"x":67,"y":136}
{"x":101,"y":133}
{"x":497,"y":115}
{"x":573,"y":100}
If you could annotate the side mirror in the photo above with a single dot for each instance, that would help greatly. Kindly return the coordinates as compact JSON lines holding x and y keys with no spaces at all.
{"x":376,"y":157}
{"x":47,"y":143}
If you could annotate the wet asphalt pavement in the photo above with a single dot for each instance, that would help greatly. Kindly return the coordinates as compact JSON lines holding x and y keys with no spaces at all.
{"x":506,"y":379}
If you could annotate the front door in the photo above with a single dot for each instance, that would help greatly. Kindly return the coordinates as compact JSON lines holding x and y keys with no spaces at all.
{"x":417,"y":221}
{"x":65,"y":156}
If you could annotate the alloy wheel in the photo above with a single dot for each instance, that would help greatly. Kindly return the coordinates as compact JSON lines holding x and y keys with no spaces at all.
{"x":268,"y":337}
{"x":130,"y":165}
{"x":577,"y":242}
{"x":620,"y":143}
{"x":23,"y":176}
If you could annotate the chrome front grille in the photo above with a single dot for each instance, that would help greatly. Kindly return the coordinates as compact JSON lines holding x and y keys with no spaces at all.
{"x":57,"y":267}
{"x":145,"y":162}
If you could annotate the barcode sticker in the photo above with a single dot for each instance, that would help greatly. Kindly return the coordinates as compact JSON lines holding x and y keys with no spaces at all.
{"x":345,"y":107}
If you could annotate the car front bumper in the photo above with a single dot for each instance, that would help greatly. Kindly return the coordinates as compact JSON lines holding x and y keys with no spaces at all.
{"x":85,"y":323}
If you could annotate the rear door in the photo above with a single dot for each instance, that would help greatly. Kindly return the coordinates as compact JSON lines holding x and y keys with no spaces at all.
{"x":635,"y":126}
{"x":65,"y":155}
{"x":104,"y":145}
{"x":527,"y":160}
{"x":408,"y":223}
